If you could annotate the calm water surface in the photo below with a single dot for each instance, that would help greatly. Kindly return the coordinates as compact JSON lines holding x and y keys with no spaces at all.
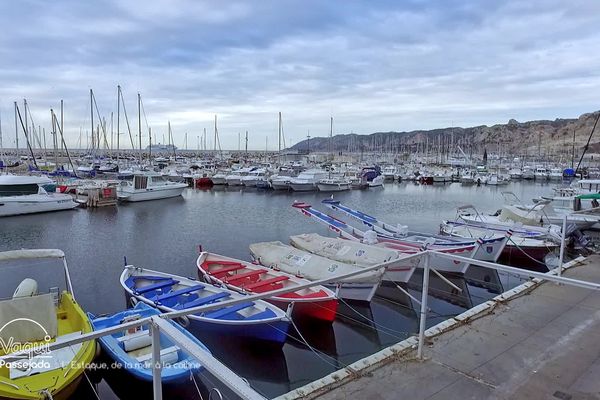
{"x":165,"y":235}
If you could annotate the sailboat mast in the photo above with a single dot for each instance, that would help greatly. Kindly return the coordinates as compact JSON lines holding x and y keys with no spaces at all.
{"x":118,"y":118}
{"x":92,"y":115}
{"x":279,"y":139}
{"x":215,"y":142}
{"x":16,"y":131}
{"x":140,"y":125}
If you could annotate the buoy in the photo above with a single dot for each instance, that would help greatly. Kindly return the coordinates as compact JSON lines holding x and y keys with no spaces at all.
{"x":27,"y":288}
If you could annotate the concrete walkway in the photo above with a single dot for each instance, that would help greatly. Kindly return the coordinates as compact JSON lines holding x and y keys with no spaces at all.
{"x":542,"y":344}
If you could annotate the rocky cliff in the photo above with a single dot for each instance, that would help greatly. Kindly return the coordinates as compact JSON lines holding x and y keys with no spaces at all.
{"x":517,"y":138}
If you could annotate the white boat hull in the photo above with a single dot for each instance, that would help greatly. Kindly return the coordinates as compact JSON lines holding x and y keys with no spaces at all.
{"x":33,"y":204}
{"x":157,"y":193}
{"x":279,"y":185}
{"x":354,"y":291}
{"x":337,"y":187}
{"x":303,"y":187}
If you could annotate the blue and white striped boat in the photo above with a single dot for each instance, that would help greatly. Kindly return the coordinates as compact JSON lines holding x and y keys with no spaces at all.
{"x":250,"y":319}
{"x":132,"y":350}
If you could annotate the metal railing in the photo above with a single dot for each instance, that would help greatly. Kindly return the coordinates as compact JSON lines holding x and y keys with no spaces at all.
{"x":238,"y":385}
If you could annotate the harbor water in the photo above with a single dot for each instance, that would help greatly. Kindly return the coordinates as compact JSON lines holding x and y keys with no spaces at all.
{"x":165,"y":235}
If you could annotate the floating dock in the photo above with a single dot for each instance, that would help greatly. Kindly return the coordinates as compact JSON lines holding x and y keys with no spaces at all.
{"x":540,"y":340}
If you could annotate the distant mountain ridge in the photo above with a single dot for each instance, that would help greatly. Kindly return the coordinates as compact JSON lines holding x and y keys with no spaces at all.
{"x":531,"y":137}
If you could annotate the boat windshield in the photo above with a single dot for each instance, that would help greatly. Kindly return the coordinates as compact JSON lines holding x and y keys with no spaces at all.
{"x":18,"y":190}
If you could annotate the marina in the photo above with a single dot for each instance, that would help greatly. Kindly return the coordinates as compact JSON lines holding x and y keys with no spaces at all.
{"x":359,"y":329}
{"x":299,"y":200}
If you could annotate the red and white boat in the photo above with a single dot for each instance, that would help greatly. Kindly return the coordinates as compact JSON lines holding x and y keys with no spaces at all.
{"x":314,"y":302}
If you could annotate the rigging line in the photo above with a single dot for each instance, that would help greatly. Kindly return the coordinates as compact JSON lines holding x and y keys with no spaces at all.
{"x":316,"y":352}
{"x":101,"y":123}
{"x":127,"y":120}
{"x":384,"y":328}
{"x":305,"y":342}
{"x":144,"y":112}
{"x":193,"y":379}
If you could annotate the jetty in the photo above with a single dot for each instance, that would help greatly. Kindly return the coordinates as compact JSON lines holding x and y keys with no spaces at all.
{"x":540,"y":340}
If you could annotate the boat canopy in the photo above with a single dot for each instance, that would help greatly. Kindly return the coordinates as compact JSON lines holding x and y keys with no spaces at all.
{"x":30,"y":254}
{"x":589,"y":196}
{"x":24,"y":180}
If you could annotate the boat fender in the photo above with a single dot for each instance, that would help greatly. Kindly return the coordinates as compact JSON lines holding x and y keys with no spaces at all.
{"x":184,"y":321}
{"x":136,"y":342}
{"x":133,"y":301}
{"x":27,"y":288}
{"x":370,"y":237}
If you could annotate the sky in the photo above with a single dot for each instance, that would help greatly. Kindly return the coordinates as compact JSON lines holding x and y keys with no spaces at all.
{"x":372,"y":65}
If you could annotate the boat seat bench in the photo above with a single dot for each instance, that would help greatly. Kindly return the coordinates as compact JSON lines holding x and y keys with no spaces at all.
{"x":227,"y":270}
{"x":204,"y":300}
{"x":160,"y":285}
{"x":250,"y":274}
{"x":179,"y":292}
{"x":266,"y":282}
{"x":228,"y":310}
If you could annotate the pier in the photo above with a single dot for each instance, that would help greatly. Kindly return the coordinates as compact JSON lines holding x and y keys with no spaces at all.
{"x":539,"y":340}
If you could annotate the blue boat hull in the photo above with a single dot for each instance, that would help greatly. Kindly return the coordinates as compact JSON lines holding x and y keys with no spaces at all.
{"x":273,"y":331}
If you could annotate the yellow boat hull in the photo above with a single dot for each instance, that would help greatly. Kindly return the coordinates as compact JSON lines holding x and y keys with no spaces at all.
{"x":60,"y":383}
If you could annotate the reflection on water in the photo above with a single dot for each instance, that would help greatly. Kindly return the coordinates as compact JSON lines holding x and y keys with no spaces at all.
{"x":164,"y":235}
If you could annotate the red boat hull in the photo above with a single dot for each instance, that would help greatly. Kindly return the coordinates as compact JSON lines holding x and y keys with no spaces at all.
{"x":322,"y":310}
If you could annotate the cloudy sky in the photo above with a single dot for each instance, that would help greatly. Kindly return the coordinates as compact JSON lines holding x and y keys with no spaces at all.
{"x":372,"y":65}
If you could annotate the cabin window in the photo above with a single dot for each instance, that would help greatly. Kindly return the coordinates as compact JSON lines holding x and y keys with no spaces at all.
{"x":18,"y":190}
{"x":141,"y":182}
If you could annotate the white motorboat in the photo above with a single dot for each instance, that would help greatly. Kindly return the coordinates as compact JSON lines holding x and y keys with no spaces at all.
{"x":307,"y":180}
{"x":280,"y":182}
{"x":528,"y":173}
{"x":235,"y":178}
{"x":219,"y":177}
{"x":540,"y":174}
{"x":389,"y":173}
{"x":255,"y":177}
{"x":26,"y":195}
{"x":515,"y":173}
{"x":334,"y":185}
{"x":555,"y":174}
{"x":313,"y":267}
{"x":149,"y":186}
{"x":377,"y":181}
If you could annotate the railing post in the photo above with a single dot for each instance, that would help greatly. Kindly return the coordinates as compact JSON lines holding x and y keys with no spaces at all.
{"x":423,"y":314}
{"x":562,"y":245}
{"x":156,"y":365}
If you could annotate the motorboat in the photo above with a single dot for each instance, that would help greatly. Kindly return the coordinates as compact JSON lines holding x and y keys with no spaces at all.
{"x":149,"y":186}
{"x":254,"y":178}
{"x":334,"y":184}
{"x":26,"y":195}
{"x":307,"y":180}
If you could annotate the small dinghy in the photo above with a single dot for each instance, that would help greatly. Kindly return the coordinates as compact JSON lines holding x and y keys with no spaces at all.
{"x":37,"y":314}
{"x":314,"y":302}
{"x":286,"y":258}
{"x":132,"y":349}
{"x":354,"y":252}
{"x":250,"y":319}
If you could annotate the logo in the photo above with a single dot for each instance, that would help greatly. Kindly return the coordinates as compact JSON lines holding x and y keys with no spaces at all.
{"x":489,"y":249}
{"x":31,"y":355}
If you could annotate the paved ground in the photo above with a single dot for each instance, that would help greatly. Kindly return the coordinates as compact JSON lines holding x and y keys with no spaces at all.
{"x":543,"y":345}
